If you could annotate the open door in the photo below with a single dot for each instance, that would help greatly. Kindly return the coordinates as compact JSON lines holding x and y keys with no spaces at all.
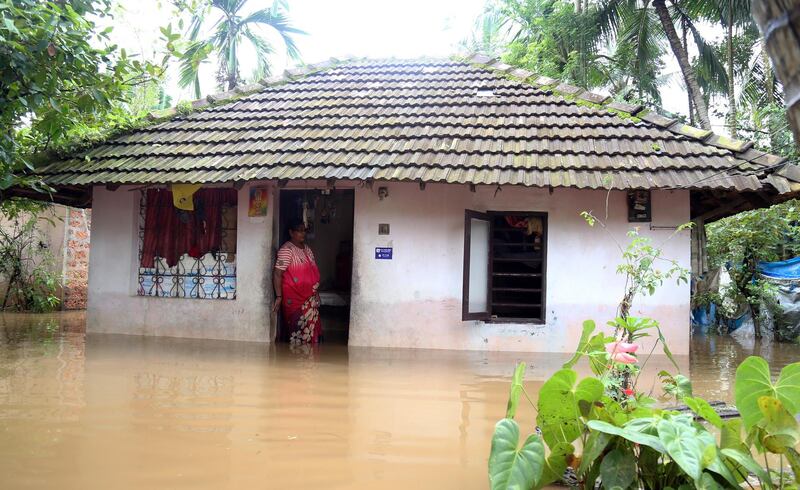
{"x":477,"y":270}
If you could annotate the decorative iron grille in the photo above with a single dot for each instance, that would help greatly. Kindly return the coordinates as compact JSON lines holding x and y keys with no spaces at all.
{"x":211,"y":276}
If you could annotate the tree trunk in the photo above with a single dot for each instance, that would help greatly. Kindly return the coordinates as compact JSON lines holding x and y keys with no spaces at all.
{"x":731,"y":87}
{"x":683,"y":61}
{"x":769,"y":87}
{"x":779,"y":20}
{"x":769,"y":77}
{"x":684,"y":30}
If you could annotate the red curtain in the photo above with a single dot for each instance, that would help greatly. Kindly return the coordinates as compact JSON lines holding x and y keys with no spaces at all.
{"x":169,"y":232}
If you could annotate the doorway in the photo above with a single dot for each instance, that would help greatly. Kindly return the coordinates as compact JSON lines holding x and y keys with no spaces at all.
{"x":328,"y":215}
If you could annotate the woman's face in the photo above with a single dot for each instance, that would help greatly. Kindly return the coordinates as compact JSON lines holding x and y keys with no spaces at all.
{"x":298,"y":234}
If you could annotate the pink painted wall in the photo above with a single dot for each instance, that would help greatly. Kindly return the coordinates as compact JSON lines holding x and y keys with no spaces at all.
{"x":414,"y":300}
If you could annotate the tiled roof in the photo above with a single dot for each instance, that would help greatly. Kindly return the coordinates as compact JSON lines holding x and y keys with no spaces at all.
{"x":471,"y":121}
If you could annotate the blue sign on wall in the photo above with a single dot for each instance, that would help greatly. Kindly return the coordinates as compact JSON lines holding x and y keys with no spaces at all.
{"x":383,"y":253}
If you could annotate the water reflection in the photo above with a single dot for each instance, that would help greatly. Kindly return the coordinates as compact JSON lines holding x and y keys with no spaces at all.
{"x":106,"y":411}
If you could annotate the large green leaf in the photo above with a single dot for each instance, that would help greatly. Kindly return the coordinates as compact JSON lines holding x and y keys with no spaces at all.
{"x":628,"y":434}
{"x":595,"y":445}
{"x":683,"y":446}
{"x":559,"y":412}
{"x":753,"y":381}
{"x":618,"y":469}
{"x":516,"y":390}
{"x":556,"y":463}
{"x":707,"y":482}
{"x":703,"y":409}
{"x":511,"y":467}
{"x":746,"y":461}
{"x":583,"y":343}
{"x":731,"y":435}
{"x":794,"y":462}
{"x":780,"y":430}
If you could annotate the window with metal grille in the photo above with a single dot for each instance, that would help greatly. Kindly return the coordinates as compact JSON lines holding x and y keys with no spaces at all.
{"x":505,"y":266}
{"x":188,"y":254}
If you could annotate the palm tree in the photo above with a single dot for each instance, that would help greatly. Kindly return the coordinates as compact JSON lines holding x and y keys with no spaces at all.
{"x":230,"y":29}
{"x":612,"y":16}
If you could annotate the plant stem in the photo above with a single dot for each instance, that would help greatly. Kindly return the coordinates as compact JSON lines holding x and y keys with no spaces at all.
{"x":529,"y":399}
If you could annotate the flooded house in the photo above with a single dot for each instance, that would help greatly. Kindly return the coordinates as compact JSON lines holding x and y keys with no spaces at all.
{"x":443,"y":201}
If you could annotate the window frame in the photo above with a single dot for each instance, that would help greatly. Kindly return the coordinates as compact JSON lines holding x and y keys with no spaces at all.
{"x":187,"y":278}
{"x":469,"y":215}
{"x":488,"y":317}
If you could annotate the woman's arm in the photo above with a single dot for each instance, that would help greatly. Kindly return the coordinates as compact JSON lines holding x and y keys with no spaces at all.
{"x":277,"y":285}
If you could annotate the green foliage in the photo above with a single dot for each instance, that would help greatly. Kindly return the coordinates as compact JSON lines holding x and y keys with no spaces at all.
{"x":753,"y":381}
{"x":554,"y":41}
{"x":631,"y":444}
{"x":627,"y":441}
{"x":58,"y":74}
{"x":26,"y":264}
{"x":512,"y":467}
{"x":741,"y":241}
{"x":516,"y":390}
{"x":230,"y":28}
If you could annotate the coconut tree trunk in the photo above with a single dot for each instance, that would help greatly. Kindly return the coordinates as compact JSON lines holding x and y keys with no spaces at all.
{"x":685,"y":42}
{"x":731,"y":86}
{"x":683,"y":61}
{"x":779,"y":21}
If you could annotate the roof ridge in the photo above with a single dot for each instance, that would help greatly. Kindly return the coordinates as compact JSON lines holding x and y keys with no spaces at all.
{"x":244,"y":90}
{"x":740,"y":148}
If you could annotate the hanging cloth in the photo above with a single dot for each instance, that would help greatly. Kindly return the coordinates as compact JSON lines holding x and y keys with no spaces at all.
{"x":182,"y":196}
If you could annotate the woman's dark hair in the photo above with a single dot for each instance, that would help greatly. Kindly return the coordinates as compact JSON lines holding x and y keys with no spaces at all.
{"x":295,"y":225}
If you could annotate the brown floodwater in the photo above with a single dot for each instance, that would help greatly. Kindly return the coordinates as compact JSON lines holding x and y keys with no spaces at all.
{"x":108,"y":411}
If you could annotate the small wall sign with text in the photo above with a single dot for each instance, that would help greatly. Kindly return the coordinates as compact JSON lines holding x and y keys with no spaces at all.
{"x":383,"y":253}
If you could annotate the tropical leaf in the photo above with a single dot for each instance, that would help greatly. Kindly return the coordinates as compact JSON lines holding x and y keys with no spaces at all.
{"x":559,"y":411}
{"x":583,"y":343}
{"x":780,"y":429}
{"x":794,"y":462}
{"x":556,"y":464}
{"x":596,"y":443}
{"x":511,"y":467}
{"x":753,"y":381}
{"x":683,"y":446}
{"x":618,"y":470}
{"x":746,"y":461}
{"x":516,"y":390}
{"x":628,"y":434}
{"x":707,"y":482}
{"x":704,"y":410}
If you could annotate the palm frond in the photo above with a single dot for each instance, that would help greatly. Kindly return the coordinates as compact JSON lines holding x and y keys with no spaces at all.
{"x":712,"y":69}
{"x":194,"y":56}
{"x":608,"y":14}
{"x":281,"y":24}
{"x":263,"y":51}
{"x":640,"y":46}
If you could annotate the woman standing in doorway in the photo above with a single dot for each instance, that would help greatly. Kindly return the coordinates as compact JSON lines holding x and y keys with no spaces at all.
{"x":296,"y":281}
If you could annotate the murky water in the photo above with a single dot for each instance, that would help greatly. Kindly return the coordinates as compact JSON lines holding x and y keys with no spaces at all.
{"x":119,"y":412}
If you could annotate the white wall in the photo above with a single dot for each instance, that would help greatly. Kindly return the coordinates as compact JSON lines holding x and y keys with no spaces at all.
{"x":414,"y":300}
{"x":114,"y":307}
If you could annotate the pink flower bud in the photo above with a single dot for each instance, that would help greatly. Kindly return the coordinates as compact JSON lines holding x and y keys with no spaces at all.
{"x":623,"y":358}
{"x":616,"y":347}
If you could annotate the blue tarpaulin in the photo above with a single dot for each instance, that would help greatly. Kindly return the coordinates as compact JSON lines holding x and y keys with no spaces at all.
{"x":787,"y":269}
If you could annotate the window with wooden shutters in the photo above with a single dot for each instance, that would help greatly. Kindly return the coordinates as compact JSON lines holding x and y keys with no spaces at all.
{"x":505,"y":266}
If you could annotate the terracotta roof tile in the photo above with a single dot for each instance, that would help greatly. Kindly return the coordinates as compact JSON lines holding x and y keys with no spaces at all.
{"x":421,"y":120}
